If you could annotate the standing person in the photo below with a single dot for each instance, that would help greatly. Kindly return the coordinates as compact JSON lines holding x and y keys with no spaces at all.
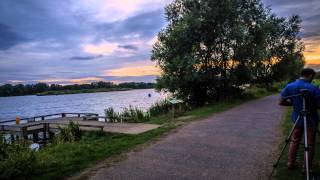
{"x":304,"y":82}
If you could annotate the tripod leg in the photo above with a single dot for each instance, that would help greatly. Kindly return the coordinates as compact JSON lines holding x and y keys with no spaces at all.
{"x":287,"y":140}
{"x":306,"y":146}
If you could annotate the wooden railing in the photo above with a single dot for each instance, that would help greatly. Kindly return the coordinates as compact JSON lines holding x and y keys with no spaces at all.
{"x":58,"y":115}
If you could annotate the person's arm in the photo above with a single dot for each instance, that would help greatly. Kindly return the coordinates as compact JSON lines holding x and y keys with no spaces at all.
{"x":284,"y":101}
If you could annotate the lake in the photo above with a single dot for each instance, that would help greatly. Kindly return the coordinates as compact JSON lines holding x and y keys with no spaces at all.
{"x":29,"y":106}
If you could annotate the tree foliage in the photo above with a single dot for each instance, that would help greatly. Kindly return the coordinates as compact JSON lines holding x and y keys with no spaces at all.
{"x":211,"y":47}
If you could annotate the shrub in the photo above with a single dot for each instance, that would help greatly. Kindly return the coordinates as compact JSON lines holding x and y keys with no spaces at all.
{"x":17,"y":160}
{"x":71,"y":133}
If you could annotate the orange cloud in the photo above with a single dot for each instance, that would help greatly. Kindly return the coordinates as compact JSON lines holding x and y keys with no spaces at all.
{"x":312,"y":51}
{"x":72,"y":81}
{"x":137,"y":69}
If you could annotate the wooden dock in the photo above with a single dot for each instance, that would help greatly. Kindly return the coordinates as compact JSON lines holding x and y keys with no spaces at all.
{"x":47,"y":125}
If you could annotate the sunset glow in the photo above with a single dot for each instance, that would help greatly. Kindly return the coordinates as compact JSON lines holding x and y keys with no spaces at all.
{"x":134,"y":71}
{"x":80,"y":41}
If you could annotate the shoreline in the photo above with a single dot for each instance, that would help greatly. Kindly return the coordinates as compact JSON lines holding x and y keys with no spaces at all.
{"x":82,"y":91}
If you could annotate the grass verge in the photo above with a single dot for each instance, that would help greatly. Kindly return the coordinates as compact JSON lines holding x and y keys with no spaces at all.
{"x":282,"y":173}
{"x":64,"y":160}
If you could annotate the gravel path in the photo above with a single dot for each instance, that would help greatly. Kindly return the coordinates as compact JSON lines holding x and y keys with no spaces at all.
{"x":235,"y":144}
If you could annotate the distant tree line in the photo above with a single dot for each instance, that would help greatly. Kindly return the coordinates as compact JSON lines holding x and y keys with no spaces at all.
{"x":212,"y":47}
{"x":29,"y":89}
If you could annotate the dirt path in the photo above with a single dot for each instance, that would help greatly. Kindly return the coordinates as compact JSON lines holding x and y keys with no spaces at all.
{"x":235,"y":144}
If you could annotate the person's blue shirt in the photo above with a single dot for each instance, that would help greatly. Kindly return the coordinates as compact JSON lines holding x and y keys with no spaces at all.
{"x":294,"y":89}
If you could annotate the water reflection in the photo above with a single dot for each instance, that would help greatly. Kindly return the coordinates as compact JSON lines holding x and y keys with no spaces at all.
{"x":29,"y":106}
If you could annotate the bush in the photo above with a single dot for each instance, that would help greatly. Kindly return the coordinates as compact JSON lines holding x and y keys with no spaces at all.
{"x":71,"y":133}
{"x":17,"y":160}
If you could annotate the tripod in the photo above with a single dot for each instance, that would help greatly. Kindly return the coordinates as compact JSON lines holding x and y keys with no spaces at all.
{"x":303,"y":113}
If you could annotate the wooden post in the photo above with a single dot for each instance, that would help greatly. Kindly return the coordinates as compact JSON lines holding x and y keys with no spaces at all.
{"x":12,"y":138}
{"x":35,"y":137}
{"x":51,"y":135}
{"x":44,"y":131}
{"x":24,"y":133}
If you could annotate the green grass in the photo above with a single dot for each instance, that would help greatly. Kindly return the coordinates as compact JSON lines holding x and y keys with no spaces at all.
{"x":282,"y":173}
{"x":64,"y":160}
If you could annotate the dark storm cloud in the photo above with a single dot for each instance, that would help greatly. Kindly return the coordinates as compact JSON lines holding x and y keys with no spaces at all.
{"x":80,"y":58}
{"x":41,"y":20}
{"x":8,"y":37}
{"x":129,"y":47}
{"x":145,"y":25}
{"x":309,"y":11}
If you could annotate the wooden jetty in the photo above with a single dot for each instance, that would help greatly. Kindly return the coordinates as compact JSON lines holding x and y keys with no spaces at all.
{"x":48,"y":125}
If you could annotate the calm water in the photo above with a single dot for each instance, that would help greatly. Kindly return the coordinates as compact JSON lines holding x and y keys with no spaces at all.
{"x":29,"y":106}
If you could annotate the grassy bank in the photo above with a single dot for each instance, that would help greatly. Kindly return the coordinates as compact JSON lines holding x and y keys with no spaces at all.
{"x":64,"y":160}
{"x":282,"y":173}
{"x":47,"y":93}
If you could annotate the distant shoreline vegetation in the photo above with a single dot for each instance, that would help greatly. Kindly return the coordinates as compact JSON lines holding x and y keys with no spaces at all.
{"x":81,"y":91}
{"x":43,"y":89}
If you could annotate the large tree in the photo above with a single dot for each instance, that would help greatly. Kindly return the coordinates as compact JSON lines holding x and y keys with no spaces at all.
{"x":210,"y":47}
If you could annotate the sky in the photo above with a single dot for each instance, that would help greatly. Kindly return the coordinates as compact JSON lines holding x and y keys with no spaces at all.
{"x":82,"y":41}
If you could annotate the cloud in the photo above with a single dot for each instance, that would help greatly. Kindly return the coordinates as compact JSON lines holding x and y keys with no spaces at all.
{"x":87,"y":80}
{"x":111,"y":11}
{"x":140,"y":68}
{"x":84,"y":80}
{"x":310,"y":14}
{"x":9,"y":38}
{"x":80,"y":58}
{"x":129,"y":47}
{"x":145,"y":26}
{"x":15,"y":81}
{"x":314,"y":66}
{"x":101,"y":48}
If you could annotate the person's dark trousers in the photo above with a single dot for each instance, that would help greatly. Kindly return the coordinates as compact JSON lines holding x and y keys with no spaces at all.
{"x":296,"y":138}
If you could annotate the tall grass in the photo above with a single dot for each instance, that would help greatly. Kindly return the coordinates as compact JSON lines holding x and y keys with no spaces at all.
{"x":160,"y":107}
{"x":71,"y":133}
{"x":112,"y":115}
{"x":129,"y":114}
{"x":135,"y":114}
{"x":17,"y":160}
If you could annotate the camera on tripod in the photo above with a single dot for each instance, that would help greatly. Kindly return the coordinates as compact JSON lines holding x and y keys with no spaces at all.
{"x":305,"y":93}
